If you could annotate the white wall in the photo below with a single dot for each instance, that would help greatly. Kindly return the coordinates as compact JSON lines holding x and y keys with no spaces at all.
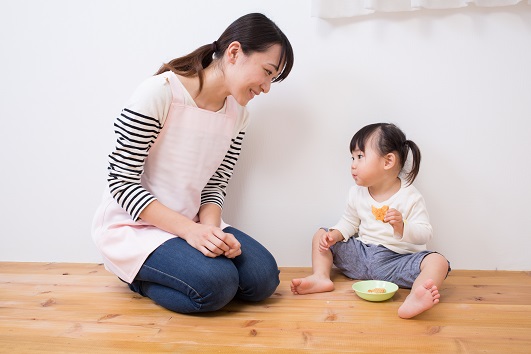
{"x":457,"y":81}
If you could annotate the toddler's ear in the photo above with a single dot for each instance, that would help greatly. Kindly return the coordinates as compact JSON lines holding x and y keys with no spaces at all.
{"x":389,"y":160}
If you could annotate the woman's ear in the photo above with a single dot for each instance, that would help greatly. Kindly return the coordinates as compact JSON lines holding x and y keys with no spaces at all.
{"x":233,"y":51}
{"x":389,"y":161}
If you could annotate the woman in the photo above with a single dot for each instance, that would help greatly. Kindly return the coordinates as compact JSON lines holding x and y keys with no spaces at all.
{"x":159,"y":227}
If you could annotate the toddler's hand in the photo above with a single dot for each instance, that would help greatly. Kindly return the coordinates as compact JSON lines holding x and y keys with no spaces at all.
{"x":326,"y":241}
{"x":394,"y":218}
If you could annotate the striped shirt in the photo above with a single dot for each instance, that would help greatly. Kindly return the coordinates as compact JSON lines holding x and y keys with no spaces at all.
{"x":136,"y":130}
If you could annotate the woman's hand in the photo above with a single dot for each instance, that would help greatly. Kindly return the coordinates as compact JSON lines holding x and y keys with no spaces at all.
{"x":210,"y":215}
{"x":212,"y":241}
{"x":234,"y":247}
{"x":209,"y":239}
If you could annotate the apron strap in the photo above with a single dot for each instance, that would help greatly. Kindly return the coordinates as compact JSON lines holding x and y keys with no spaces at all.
{"x":176,"y":87}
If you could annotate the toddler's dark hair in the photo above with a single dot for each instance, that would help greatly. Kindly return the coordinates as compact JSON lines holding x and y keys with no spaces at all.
{"x":389,"y":138}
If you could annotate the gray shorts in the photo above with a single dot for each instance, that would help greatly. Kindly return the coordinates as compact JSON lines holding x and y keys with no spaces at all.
{"x":358,"y":260}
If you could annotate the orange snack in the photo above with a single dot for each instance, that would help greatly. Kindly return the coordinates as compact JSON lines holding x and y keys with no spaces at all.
{"x":379,"y":213}
{"x":377,"y":291}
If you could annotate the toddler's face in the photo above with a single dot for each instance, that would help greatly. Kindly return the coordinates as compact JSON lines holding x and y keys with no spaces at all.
{"x":367,"y":166}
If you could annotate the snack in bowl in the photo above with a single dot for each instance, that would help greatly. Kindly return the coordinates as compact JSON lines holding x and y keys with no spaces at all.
{"x":371,"y":290}
{"x":379,"y":213}
{"x":377,"y":290}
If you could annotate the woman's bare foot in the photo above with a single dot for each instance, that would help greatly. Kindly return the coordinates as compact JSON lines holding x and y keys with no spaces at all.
{"x":420,"y":299}
{"x":311,"y":284}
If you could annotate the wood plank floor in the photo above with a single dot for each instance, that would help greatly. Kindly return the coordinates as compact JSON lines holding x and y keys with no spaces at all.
{"x":81,"y":308}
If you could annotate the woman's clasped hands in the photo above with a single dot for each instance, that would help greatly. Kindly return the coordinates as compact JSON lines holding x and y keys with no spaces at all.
{"x":212,"y":241}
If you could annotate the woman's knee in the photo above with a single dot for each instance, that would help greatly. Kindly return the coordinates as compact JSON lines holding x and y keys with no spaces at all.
{"x":218,"y":294}
{"x":208,"y":286}
{"x":218,"y":288}
{"x":217,"y":291}
{"x":191,"y":301}
{"x":260,"y":288}
{"x":257,"y":268}
{"x":260,"y":280}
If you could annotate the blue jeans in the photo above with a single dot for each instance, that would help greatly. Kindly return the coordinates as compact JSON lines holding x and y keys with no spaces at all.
{"x":182,"y":279}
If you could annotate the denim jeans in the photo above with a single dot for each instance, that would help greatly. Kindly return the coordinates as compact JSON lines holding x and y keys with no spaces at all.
{"x":182,"y":279}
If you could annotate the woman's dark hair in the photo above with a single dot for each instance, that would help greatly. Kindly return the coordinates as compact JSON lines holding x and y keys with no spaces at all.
{"x":255,"y":32}
{"x":389,"y":138}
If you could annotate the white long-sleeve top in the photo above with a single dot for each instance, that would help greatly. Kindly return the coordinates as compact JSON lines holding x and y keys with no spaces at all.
{"x":167,"y":149}
{"x":358,"y":218}
{"x":137,"y":128}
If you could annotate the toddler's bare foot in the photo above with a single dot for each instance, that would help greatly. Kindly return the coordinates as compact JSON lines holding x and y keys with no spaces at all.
{"x":420,"y":299}
{"x":311,"y":284}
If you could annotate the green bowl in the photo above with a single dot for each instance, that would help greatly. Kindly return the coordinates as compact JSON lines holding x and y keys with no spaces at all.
{"x":362,"y":289}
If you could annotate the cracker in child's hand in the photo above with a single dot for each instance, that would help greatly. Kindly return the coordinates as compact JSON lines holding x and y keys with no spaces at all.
{"x":379,"y":213}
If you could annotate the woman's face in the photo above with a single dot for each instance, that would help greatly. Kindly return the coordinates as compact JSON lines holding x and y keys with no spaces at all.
{"x":249,"y":75}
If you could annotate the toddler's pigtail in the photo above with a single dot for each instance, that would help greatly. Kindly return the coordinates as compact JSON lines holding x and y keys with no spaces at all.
{"x":415,"y":165}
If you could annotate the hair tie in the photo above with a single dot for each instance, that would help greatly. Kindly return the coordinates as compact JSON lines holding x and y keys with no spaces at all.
{"x":215,"y":46}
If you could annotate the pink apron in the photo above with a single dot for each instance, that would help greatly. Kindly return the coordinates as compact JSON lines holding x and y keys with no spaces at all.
{"x":188,"y":150}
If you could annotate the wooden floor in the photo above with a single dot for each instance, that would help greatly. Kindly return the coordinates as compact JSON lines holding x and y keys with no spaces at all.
{"x":81,"y":308}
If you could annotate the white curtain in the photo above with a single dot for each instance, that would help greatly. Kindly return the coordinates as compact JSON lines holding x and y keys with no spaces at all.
{"x":349,"y":8}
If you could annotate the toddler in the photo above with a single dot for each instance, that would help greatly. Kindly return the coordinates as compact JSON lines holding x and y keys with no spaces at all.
{"x":389,"y":216}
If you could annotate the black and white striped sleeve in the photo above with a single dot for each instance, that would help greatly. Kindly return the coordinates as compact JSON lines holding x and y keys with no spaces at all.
{"x":215,"y":190}
{"x":135,"y":134}
{"x":136,"y":129}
